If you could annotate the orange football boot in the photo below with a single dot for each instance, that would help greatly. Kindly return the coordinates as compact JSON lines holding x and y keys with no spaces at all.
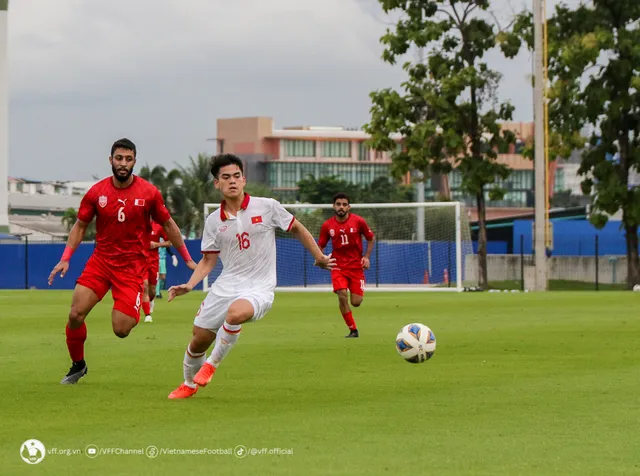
{"x":183,"y":391}
{"x":204,"y":375}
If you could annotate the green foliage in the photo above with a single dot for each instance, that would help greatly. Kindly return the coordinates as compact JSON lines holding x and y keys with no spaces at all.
{"x":594,"y":53}
{"x":447,"y":113}
{"x":381,"y":190}
{"x":69,"y":219}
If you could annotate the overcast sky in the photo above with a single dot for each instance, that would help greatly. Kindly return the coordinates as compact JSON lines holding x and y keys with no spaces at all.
{"x":86,"y":72}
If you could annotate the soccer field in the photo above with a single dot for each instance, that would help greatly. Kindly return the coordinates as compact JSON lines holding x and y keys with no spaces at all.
{"x":520,"y":384}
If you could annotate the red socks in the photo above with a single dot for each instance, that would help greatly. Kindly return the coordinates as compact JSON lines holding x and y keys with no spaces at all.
{"x":75,"y":342}
{"x":146,"y":308}
{"x":348,"y":320}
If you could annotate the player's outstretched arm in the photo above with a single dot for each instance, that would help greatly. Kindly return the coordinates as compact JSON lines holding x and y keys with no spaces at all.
{"x":175,"y":237}
{"x":75,"y":238}
{"x":160,"y":244}
{"x":205,"y":266}
{"x":302,"y":234}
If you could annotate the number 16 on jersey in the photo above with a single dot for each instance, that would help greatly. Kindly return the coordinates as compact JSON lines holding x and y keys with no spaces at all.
{"x":243,"y":240}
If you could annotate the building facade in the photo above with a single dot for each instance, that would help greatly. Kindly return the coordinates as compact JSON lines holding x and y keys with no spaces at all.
{"x":280,"y":158}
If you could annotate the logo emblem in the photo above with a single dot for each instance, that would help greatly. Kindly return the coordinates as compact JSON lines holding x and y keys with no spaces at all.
{"x":139,"y":202}
{"x":255,"y":220}
{"x":124,"y":202}
{"x":223,"y":228}
{"x":332,"y":232}
{"x":102,"y":201}
{"x":32,"y":451}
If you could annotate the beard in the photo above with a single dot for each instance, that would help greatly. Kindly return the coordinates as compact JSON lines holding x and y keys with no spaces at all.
{"x":340,"y":213}
{"x":121,"y":178}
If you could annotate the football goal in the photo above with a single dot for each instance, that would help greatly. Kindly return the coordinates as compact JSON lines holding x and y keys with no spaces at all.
{"x":418,"y":247}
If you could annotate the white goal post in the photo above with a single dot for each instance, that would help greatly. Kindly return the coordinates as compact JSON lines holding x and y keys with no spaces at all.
{"x":419,"y":246}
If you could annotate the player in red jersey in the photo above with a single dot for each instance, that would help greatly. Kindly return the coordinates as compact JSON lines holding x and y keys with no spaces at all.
{"x":345,"y":230}
{"x":153,"y":266}
{"x":123,"y":206}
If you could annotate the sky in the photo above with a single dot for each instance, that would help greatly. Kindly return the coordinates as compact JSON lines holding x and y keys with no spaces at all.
{"x":83,"y":73}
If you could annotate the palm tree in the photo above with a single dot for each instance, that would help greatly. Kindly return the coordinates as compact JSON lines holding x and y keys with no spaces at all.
{"x":69,"y":219}
{"x":159,"y":177}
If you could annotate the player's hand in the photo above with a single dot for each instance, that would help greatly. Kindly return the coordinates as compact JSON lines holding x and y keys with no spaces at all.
{"x":326,"y":262}
{"x":191,"y":265}
{"x":62,"y":267}
{"x":175,"y":291}
{"x":366,"y":264}
{"x":174,"y":261}
{"x":154,"y":245}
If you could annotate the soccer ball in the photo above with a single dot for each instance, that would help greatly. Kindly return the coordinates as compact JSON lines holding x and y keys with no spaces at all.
{"x":416,"y":343}
{"x":636,"y":288}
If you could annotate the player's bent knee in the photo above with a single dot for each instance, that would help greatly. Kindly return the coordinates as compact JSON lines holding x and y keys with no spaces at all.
{"x":76,"y":316}
{"x":239,"y":312}
{"x":121,"y":333}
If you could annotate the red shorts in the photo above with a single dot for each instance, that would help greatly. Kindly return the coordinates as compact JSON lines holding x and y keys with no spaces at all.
{"x":151,"y":275}
{"x":351,"y":279}
{"x":123,"y":280}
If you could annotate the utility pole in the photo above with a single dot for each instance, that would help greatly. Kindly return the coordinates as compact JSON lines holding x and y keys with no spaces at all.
{"x":541,"y":281}
{"x":4,"y":126}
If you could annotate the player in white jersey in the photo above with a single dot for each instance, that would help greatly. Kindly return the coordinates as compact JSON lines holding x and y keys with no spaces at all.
{"x":242,"y":233}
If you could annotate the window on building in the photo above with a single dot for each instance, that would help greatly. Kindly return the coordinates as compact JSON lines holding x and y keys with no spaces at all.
{"x":289,"y":174}
{"x":336,"y":149}
{"x":558,"y":185}
{"x":273,"y":175}
{"x":299,"y":148}
{"x":363,"y":152}
{"x":307,"y":169}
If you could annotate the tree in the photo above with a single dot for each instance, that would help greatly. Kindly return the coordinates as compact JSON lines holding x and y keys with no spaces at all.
{"x":69,"y":219}
{"x":159,"y":177}
{"x":448,"y":114}
{"x":322,"y":190}
{"x":595,"y":80}
{"x":386,"y":190}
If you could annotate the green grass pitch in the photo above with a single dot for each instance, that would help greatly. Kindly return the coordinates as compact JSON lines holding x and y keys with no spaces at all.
{"x":520,"y":384}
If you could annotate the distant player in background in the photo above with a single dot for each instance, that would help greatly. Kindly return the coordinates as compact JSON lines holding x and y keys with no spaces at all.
{"x":345,"y":230}
{"x":157,"y":240}
{"x":123,"y":205}
{"x":162,"y":269}
{"x":242,"y":233}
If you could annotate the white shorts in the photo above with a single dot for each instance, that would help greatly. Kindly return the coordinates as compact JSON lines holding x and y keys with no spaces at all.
{"x":213,"y":310}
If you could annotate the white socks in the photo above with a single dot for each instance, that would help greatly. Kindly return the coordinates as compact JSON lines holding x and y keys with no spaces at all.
{"x":227,"y":336}
{"x":191,"y":365}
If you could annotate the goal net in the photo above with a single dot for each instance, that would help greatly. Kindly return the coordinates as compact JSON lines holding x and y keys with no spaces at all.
{"x":417,"y":247}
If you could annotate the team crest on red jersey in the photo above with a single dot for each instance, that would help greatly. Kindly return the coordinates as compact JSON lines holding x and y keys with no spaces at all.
{"x":332,"y":232}
{"x":102,"y":201}
{"x":139,"y":202}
